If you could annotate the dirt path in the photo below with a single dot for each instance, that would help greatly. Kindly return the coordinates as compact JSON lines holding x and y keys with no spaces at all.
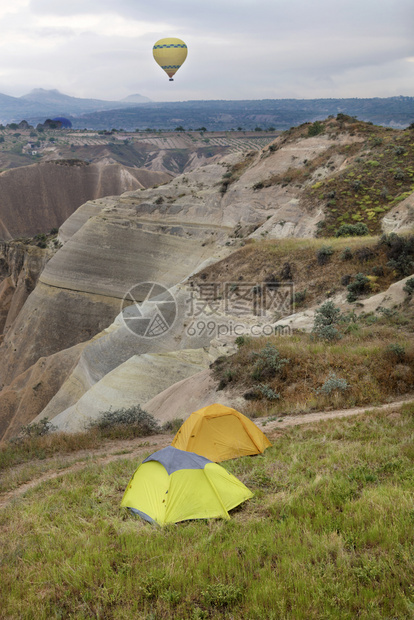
{"x":308,"y":418}
{"x":122,"y":448}
{"x":133,"y":448}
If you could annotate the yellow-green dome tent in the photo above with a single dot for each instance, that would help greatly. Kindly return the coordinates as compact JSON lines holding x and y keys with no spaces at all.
{"x":172,"y":485}
{"x":220,"y":433}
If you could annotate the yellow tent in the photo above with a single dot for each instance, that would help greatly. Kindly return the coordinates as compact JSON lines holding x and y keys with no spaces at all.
{"x":173,"y":485}
{"x":220,"y":433}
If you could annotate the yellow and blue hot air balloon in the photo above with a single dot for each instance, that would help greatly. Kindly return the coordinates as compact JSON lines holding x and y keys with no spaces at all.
{"x":170,"y":54}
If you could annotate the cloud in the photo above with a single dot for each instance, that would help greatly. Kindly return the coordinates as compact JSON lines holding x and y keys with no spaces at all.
{"x":237,"y":48}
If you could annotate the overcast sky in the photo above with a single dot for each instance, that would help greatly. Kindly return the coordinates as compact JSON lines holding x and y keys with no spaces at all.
{"x":237,"y":49}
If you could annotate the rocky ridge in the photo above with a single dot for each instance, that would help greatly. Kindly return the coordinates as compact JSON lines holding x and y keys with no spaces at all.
{"x":37,"y":198}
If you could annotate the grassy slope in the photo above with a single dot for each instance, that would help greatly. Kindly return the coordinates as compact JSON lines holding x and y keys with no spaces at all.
{"x":329,"y":534}
{"x":375,"y":356}
{"x":265,"y":261}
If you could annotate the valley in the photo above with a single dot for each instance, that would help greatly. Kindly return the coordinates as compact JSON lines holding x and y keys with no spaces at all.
{"x":237,"y":221}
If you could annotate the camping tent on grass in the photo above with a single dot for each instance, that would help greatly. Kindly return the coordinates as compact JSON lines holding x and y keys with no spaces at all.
{"x":220,"y":433}
{"x":172,"y":485}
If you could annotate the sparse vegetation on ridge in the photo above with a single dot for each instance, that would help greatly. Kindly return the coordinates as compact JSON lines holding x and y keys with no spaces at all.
{"x":379,"y":176}
{"x":365,"y":352}
{"x":319,"y":266}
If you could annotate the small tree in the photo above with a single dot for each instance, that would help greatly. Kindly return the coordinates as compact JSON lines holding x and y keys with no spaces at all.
{"x":326,"y":317}
{"x":360,"y":285}
{"x":315,"y":129}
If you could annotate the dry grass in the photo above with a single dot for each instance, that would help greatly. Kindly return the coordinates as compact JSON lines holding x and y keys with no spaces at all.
{"x":29,"y":449}
{"x":264,"y":261}
{"x":374,"y":357}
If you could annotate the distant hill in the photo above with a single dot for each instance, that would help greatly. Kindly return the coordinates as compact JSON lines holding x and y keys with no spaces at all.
{"x":40,"y":103}
{"x":396,"y":112}
{"x":137,"y":112}
{"x":135,"y":99}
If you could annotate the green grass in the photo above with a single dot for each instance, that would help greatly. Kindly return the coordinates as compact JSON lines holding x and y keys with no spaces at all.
{"x":329,"y":534}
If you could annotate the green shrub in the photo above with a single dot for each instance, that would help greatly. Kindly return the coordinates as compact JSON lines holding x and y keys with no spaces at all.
{"x":315,"y":129}
{"x":172,"y":426}
{"x":378,"y":270}
{"x":360,"y":285}
{"x":347,"y":254}
{"x":300,"y":297}
{"x":364,"y":254}
{"x":267,"y":392}
{"x":326,"y":318}
{"x":222,"y":595}
{"x":133,"y":420}
{"x":258,"y":185}
{"x":37,"y":429}
{"x":352,"y":230}
{"x":400,"y":252}
{"x":409,"y":286}
{"x":324,"y":254}
{"x":332,"y":384}
{"x":268,"y":362}
{"x":396,"y":350}
{"x":399,"y":150}
{"x":241,"y":341}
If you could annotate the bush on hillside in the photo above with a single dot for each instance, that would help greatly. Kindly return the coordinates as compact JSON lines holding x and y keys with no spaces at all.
{"x":347,"y":254}
{"x":333,"y":383}
{"x":400,"y":253}
{"x":360,"y":285}
{"x":315,"y":129}
{"x":396,"y":350}
{"x":37,"y":429}
{"x":326,"y":318}
{"x":409,"y":286}
{"x":132,"y":421}
{"x":267,"y":392}
{"x":352,"y":230}
{"x":324,"y":254}
{"x":268,"y":362}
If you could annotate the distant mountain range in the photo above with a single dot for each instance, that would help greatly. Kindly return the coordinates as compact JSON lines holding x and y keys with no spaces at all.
{"x":137,"y":112}
{"x":42,"y":103}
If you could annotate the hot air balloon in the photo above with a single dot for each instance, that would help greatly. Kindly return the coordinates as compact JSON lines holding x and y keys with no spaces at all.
{"x":170,"y":54}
